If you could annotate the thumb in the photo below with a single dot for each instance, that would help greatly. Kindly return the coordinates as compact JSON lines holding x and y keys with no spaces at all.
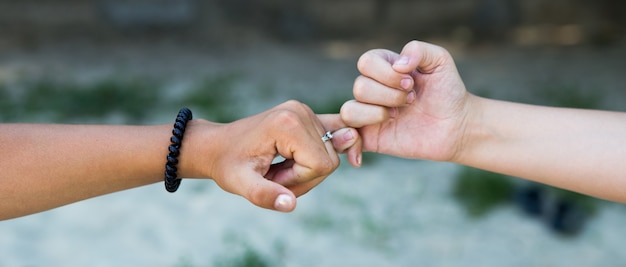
{"x":420,"y":56}
{"x":264,"y":193}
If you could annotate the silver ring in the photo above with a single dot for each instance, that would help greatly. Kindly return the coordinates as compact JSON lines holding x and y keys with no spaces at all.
{"x":327,"y":136}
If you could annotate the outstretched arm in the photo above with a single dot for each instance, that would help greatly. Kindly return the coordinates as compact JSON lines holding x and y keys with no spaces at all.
{"x":45,"y":166}
{"x":415,"y":105}
{"x":580,"y":150}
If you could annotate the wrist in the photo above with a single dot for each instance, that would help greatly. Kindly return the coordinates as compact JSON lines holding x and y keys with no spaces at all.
{"x":473,"y":132}
{"x":199,"y":150}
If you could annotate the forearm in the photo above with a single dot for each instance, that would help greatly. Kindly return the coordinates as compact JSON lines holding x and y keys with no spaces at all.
{"x":46,"y":166}
{"x":580,"y":150}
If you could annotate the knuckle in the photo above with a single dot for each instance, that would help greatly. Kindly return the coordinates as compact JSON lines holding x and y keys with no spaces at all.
{"x":364,"y":61}
{"x":378,"y":115}
{"x":382,"y":114}
{"x":297,"y":107}
{"x":346,"y":114}
{"x":324,"y":167}
{"x":291,"y":104}
{"x":399,"y":99}
{"x":359,"y":88}
{"x":413,"y":43}
{"x":287,"y":118}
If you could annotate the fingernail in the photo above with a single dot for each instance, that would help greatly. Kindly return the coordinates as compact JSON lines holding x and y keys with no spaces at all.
{"x":411,"y":97}
{"x":359,"y":159}
{"x":393,"y":112}
{"x":348,"y":135}
{"x":406,"y":83}
{"x":402,"y":61}
{"x":283,"y":202}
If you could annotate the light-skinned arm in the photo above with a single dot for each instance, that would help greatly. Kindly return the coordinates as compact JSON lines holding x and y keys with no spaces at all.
{"x":415,"y":105}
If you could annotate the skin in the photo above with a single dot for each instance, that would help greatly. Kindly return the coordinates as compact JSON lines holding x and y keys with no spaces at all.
{"x":415,"y":105}
{"x":45,"y":166}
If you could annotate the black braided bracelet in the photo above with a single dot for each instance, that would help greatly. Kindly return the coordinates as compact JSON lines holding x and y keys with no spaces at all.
{"x":172,"y":182}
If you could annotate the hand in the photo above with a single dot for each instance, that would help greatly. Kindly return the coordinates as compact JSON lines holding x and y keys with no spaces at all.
{"x":409,"y":105}
{"x":241,"y":161}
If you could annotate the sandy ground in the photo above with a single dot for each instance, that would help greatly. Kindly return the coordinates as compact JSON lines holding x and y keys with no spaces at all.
{"x":392,"y":212}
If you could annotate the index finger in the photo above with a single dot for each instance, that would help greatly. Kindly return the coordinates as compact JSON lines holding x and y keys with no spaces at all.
{"x":300,"y":138}
{"x":377,"y":65}
{"x":421,"y":56}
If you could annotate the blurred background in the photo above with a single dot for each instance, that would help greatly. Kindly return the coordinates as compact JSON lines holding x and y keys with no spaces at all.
{"x":139,"y":61}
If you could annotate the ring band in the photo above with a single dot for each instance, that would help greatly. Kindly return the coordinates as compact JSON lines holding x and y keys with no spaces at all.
{"x":327,"y":136}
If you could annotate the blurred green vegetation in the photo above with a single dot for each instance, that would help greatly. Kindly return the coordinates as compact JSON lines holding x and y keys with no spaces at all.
{"x":132,"y":100}
{"x":589,"y":205}
{"x":329,"y":105}
{"x":318,"y":221}
{"x":240,"y":253}
{"x":128,"y":100}
{"x":7,"y":105}
{"x":63,"y":101}
{"x":480,"y":191}
{"x":248,"y":258}
{"x":570,"y":96}
{"x":213,"y":96}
